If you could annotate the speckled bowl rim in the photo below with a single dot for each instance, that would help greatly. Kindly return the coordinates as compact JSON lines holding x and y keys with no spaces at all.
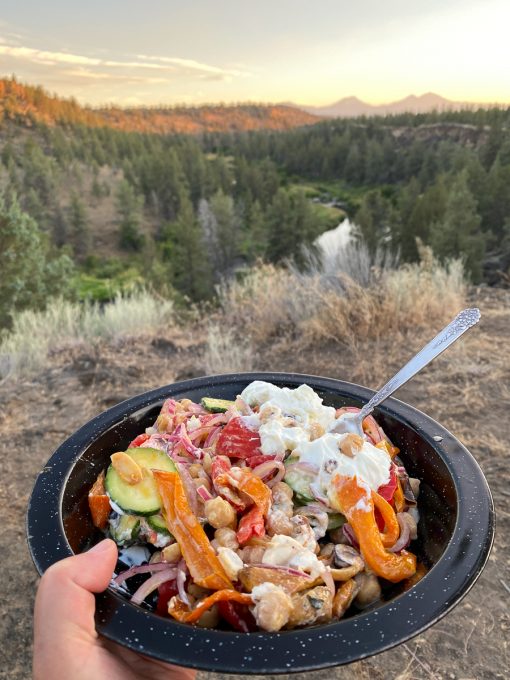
{"x":333,"y":644}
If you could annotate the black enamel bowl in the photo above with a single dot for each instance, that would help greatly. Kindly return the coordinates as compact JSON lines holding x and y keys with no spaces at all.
{"x":456,"y":531}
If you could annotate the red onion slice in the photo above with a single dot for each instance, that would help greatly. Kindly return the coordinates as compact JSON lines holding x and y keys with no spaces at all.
{"x":349,"y":534}
{"x":318,"y":494}
{"x":182,"y":568}
{"x":327,"y":577}
{"x":212,"y":436}
{"x":309,"y":468}
{"x":152,"y":583}
{"x":189,"y":487}
{"x":204,"y":493}
{"x":266,"y":469}
{"x":285,"y":570}
{"x":140,"y":569}
{"x":405,"y":532}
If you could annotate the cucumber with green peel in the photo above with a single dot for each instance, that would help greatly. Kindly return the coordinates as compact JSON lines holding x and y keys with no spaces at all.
{"x":298,"y":482}
{"x":142,"y":498}
{"x":157,"y":522}
{"x":125,"y":529}
{"x":216,"y":405}
{"x":335,"y":521}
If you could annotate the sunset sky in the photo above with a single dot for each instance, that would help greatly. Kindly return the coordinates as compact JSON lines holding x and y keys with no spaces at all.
{"x":167,"y":51}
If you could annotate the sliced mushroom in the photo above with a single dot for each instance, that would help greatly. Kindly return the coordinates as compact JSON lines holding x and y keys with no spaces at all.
{"x":312,"y":606}
{"x":318,"y":520}
{"x":348,"y":563}
{"x":369,"y":589}
{"x":344,"y":597}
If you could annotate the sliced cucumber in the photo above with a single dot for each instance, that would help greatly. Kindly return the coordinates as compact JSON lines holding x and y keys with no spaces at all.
{"x":335,"y":521}
{"x":216,"y":405}
{"x":298,"y":481}
{"x":158,"y":523}
{"x":142,"y":498}
{"x":125,"y":529}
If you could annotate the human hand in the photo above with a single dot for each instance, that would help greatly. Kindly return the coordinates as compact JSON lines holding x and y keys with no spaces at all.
{"x":66,"y":644}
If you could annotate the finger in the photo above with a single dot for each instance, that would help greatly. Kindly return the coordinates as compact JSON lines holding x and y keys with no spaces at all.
{"x":65,"y":598}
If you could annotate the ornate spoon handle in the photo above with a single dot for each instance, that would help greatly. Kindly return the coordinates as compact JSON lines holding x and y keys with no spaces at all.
{"x":446,"y":337}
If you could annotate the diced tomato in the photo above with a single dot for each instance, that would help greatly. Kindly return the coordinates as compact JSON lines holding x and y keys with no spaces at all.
{"x":237,"y":440}
{"x":251,"y":524}
{"x":387,"y":490}
{"x":253,"y":461}
{"x":138,"y":441}
{"x":238,"y":615}
{"x":165,"y":592}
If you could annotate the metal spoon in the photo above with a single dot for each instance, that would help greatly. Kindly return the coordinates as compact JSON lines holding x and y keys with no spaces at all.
{"x":462,"y":322}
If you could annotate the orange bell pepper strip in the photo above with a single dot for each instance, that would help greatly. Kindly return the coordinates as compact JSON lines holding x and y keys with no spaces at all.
{"x":385,"y":445}
{"x":391,"y":525}
{"x":353,"y":501}
{"x":181,"y":611}
{"x":246,"y":482}
{"x":204,"y":566}
{"x":99,"y":503}
{"x":398,"y":497}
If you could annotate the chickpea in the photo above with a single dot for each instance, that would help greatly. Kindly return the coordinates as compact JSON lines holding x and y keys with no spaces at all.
{"x":207,"y":463}
{"x":172,"y":553}
{"x":195,"y":470}
{"x":219,"y":513}
{"x":226,"y":538}
{"x":279,"y":523}
{"x":202,"y":481}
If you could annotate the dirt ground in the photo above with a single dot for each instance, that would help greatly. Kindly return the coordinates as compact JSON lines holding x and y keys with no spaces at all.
{"x":471,"y":643}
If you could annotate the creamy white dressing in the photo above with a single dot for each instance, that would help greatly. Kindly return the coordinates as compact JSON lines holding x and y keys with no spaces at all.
{"x":284,"y":551}
{"x":288,"y":420}
{"x":286,"y":415}
{"x":370,"y":464}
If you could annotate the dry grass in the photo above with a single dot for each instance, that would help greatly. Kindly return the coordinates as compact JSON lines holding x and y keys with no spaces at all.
{"x":35,"y":335}
{"x":315,"y":307}
{"x":226,"y":353}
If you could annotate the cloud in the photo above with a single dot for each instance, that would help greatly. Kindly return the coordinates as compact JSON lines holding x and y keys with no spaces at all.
{"x":193,"y":65}
{"x":171,"y":65}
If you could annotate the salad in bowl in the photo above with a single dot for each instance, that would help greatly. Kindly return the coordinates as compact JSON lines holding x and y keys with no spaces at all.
{"x":258,"y":514}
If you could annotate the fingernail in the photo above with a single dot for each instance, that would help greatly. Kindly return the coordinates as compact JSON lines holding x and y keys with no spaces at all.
{"x":104,"y":546}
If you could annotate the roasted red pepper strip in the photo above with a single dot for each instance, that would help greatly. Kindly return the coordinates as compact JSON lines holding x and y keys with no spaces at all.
{"x":99,"y":503}
{"x":387,"y":490}
{"x":352,"y":500}
{"x":203,"y":564}
{"x":238,"y":615}
{"x":181,"y":611}
{"x":251,"y":524}
{"x":237,"y":440}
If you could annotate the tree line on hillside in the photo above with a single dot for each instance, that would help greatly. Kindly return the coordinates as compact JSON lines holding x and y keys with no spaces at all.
{"x":446,"y":184}
{"x":190,"y":210}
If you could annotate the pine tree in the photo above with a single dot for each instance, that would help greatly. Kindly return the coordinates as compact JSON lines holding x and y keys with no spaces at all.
{"x":182,"y":249}
{"x":458,"y":234}
{"x":79,"y":227}
{"x":129,"y":208}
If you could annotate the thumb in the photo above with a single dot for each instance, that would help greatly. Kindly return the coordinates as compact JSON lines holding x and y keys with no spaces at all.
{"x":65,"y":592}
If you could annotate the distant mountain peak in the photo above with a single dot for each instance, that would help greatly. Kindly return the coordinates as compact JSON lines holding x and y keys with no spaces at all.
{"x":352,"y":106}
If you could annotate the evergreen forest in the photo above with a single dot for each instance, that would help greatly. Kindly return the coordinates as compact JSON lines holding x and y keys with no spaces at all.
{"x":89,"y":209}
